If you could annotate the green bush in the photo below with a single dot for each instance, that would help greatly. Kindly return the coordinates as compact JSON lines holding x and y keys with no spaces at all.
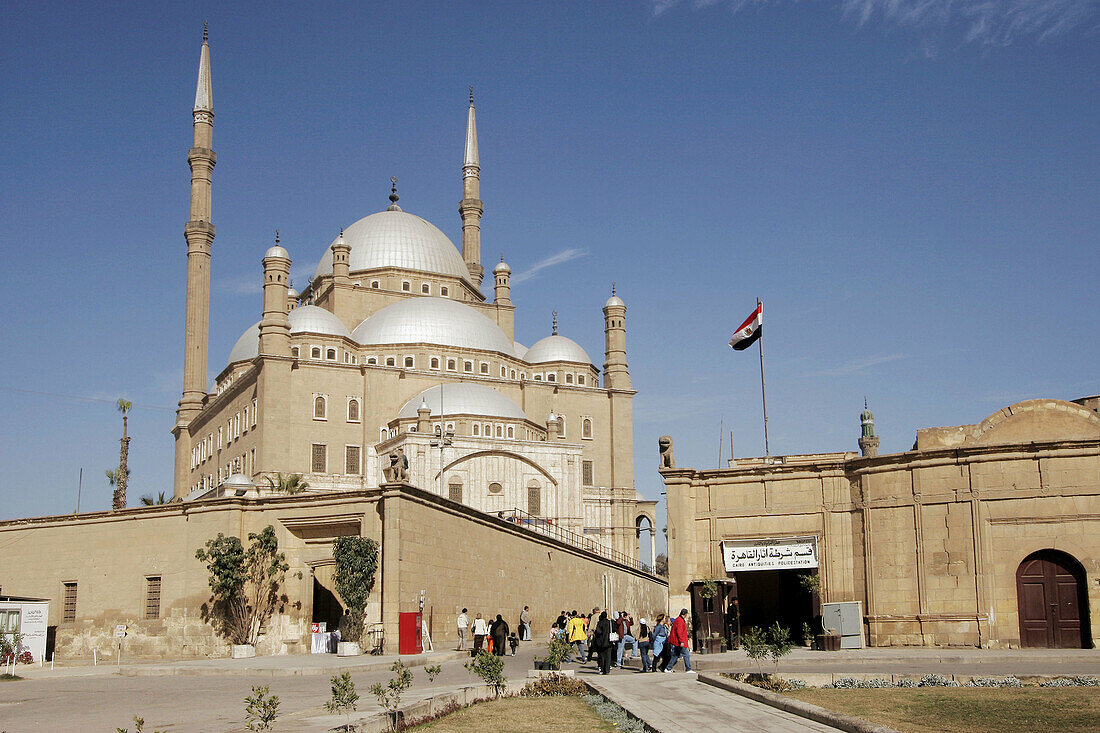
{"x":554,"y":685}
{"x":344,"y":697}
{"x":490,"y":668}
{"x":261,"y":708}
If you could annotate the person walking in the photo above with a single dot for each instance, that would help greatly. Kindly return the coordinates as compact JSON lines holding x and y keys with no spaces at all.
{"x":645,"y":644}
{"x":662,"y":652}
{"x":525,"y":624}
{"x":575,"y":634}
{"x":678,"y":639}
{"x":499,"y":632}
{"x":593,"y":619}
{"x":623,"y":629}
{"x":481,"y":630}
{"x":463,"y":629}
{"x":601,"y":642}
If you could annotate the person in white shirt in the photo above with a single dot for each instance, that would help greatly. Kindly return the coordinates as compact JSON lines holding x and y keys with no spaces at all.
{"x":481,"y":630}
{"x":463,"y":627}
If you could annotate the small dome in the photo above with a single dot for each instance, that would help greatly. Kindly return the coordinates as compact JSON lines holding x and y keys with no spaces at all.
{"x":442,"y":321}
{"x":866,"y":415}
{"x":519,"y":349}
{"x":292,"y":293}
{"x":247,"y":346}
{"x":614,"y":300}
{"x":463,"y":398}
{"x":556,"y":348}
{"x":239,"y":481}
{"x":277,"y":251}
{"x":314,"y":319}
{"x":502,"y":267}
{"x":398,"y":239}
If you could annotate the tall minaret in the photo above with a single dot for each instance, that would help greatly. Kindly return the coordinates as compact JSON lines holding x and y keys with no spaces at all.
{"x":615,"y":372}
{"x":199,"y":233}
{"x":470,"y":207}
{"x":868,"y":441}
{"x":274,"y":326}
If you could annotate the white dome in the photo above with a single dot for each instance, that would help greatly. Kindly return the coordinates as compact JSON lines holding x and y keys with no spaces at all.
{"x":398,"y":239}
{"x":502,"y":266}
{"x":314,"y":319}
{"x":277,"y":251}
{"x":556,"y":348}
{"x":613,"y":301}
{"x":519,"y":349}
{"x":303,"y":319}
{"x":464,"y":398}
{"x":239,"y":480}
{"x":421,"y":320}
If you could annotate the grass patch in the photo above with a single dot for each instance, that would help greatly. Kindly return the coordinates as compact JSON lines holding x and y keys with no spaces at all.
{"x":966,"y":710}
{"x":520,"y":715}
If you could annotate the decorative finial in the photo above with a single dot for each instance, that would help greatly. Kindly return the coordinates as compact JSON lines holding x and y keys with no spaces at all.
{"x":502,"y":257}
{"x":555,"y":333}
{"x":341,"y":231}
{"x":205,"y":34}
{"x":393,"y":190}
{"x":276,"y":236}
{"x":471,"y":94}
{"x":864,"y":402}
{"x":612,"y":288}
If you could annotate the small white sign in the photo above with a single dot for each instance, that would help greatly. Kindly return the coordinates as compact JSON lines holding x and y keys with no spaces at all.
{"x":120,"y":630}
{"x":785,"y":553}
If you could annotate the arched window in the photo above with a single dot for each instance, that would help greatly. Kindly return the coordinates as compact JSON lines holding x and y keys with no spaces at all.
{"x":425,"y":288}
{"x":586,"y":428}
{"x":454,"y":489}
{"x":495,"y":488}
{"x":511,"y":432}
{"x":477,"y":430}
{"x":468,"y":367}
{"x":435,"y":362}
{"x":408,"y":362}
{"x":294,"y":351}
{"x":580,"y":379}
{"x":534,"y":497}
{"x":375,"y":284}
{"x":315,"y":352}
{"x":372,"y":360}
{"x":513,"y":374}
{"x":331,"y":355}
{"x":551,"y":377}
{"x":406,"y":286}
{"x":500,"y":431}
{"x":452,"y":365}
{"x":390,"y":361}
{"x":538,"y":377}
{"x":568,"y":378}
{"x":353,"y":410}
{"x":383,"y":435}
{"x":561,"y":425}
{"x":484,"y":368}
{"x":319,"y":407}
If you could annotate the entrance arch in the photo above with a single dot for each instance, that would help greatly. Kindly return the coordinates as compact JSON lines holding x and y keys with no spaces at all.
{"x":638,"y":530}
{"x":1053,"y":602}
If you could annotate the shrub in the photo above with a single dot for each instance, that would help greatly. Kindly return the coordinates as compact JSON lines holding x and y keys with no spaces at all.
{"x":559,"y":651}
{"x":994,"y":682}
{"x":344,"y":697}
{"x":907,"y":682}
{"x":432,"y":670}
{"x":755,"y":643}
{"x":779,"y":644}
{"x":261,"y":709}
{"x":389,"y":697}
{"x":356,"y":564}
{"x":1075,"y":681}
{"x":554,"y":685}
{"x":490,"y":668}
{"x":244,"y":583}
{"x":936,"y":680}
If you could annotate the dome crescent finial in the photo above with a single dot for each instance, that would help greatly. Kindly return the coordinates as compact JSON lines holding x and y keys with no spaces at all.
{"x":276,"y":236}
{"x":555,"y":331}
{"x":471,"y":94}
{"x":205,"y":34}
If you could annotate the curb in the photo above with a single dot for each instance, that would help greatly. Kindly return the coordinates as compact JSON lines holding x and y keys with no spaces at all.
{"x":608,"y":695}
{"x":797,"y":707}
{"x":415,"y":660}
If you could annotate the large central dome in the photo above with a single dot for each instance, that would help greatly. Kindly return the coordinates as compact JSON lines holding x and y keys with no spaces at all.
{"x":398,"y":239}
{"x":424,"y":320}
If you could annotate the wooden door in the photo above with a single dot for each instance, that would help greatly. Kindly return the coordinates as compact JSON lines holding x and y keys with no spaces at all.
{"x":1050,"y":588}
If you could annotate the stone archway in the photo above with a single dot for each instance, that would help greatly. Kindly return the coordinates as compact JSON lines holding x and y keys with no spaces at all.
{"x":638,"y":529}
{"x":1053,"y":601}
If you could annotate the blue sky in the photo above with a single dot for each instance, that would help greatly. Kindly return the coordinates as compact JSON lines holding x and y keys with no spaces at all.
{"x":910,"y":187}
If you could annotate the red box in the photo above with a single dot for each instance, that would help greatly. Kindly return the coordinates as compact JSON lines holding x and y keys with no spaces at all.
{"x":409,"y":637}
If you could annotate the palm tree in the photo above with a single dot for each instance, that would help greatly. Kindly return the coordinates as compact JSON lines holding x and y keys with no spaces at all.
{"x":123,"y":472}
{"x":292,"y":483}
{"x":150,"y":500}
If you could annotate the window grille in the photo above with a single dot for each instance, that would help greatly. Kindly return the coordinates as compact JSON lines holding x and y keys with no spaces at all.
{"x":353,"y":410}
{"x":351,"y":459}
{"x":69,"y":614}
{"x":320,"y":458}
{"x":319,"y":408}
{"x":534,"y":500}
{"x":454,"y":491}
{"x":152,"y":596}
{"x":586,"y":473}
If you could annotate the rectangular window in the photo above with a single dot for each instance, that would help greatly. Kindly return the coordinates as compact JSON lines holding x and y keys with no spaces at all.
{"x":351,"y":459}
{"x":152,"y":596}
{"x":586,"y":473}
{"x":255,"y":412}
{"x":69,"y":608}
{"x":454,"y":492}
{"x":534,"y":500}
{"x":319,"y":459}
{"x":10,"y":621}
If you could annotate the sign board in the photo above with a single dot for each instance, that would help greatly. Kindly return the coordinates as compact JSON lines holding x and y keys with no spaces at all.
{"x":33,"y":622}
{"x":120,"y":630}
{"x":784,"y":553}
{"x":318,"y":627}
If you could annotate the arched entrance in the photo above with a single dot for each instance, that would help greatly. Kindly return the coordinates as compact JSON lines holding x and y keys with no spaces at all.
{"x":1050,"y":588}
{"x":639,"y":528}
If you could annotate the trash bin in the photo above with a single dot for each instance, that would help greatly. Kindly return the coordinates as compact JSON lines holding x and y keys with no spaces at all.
{"x":409,"y":638}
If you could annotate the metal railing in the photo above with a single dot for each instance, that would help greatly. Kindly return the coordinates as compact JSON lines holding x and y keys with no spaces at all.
{"x":546,"y":527}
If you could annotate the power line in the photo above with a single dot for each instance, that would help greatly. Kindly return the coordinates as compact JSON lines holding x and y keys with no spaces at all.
{"x":136,"y":405}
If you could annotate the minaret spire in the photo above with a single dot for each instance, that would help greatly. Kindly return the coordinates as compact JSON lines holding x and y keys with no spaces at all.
{"x":470,"y":208}
{"x":199,"y":233}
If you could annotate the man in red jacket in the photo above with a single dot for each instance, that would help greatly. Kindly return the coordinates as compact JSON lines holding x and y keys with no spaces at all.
{"x":679,"y":643}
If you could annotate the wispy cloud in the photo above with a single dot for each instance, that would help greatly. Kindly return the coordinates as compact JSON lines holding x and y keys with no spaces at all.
{"x":857,"y":366}
{"x":555,"y":259}
{"x":251,"y":283}
{"x":985,"y":22}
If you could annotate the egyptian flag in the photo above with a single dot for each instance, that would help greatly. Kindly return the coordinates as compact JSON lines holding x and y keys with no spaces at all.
{"x":749,"y":332}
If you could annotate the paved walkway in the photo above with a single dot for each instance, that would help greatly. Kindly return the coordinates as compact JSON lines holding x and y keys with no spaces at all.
{"x":679,"y":703}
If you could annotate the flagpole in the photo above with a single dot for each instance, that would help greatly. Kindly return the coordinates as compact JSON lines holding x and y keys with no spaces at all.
{"x":763,"y":391}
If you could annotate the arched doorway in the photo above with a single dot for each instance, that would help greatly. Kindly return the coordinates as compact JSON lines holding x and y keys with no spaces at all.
{"x":1050,"y":588}
{"x":639,"y":529}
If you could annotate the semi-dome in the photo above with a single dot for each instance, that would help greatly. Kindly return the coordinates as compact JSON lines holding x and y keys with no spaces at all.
{"x":303,"y":319}
{"x":556,"y":348}
{"x":398,"y":239}
{"x":429,"y":320}
{"x":519,"y":349}
{"x":463,"y":398}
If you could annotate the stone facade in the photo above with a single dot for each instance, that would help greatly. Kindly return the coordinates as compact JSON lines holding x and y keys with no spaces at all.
{"x":930,"y":541}
{"x":457,"y":555}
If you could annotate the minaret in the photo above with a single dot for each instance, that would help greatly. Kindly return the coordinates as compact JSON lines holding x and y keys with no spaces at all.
{"x":341,"y":253}
{"x":502,"y":290}
{"x":868,"y":441}
{"x":615,"y":372}
{"x":275,"y":326}
{"x":199,"y":233}
{"x":470,"y":207}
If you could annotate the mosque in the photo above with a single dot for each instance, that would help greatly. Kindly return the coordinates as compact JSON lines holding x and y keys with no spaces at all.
{"x":393,"y":350}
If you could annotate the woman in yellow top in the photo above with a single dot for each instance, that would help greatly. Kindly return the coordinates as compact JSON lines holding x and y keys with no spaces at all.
{"x":575,"y":634}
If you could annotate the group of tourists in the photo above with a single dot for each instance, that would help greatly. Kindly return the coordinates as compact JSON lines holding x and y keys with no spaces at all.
{"x":659,"y":645}
{"x":495,"y":636}
{"x":596,"y":636}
